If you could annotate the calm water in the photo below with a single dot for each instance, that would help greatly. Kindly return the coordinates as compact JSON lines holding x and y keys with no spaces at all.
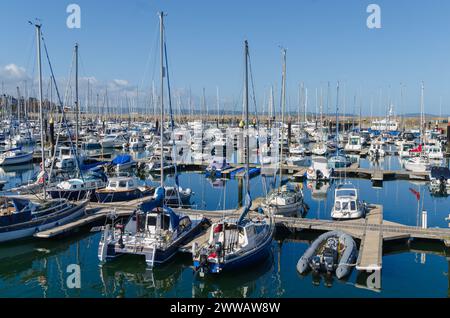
{"x":39,"y":268}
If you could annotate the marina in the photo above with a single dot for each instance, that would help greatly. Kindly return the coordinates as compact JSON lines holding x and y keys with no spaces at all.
{"x":265,"y":189}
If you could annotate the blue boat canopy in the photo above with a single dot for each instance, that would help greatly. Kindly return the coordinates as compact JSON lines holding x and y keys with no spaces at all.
{"x":122,"y":159}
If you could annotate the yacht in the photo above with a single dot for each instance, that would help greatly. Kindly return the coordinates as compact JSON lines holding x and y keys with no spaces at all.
{"x":153,"y":231}
{"x":376,"y":149}
{"x":354,"y":143}
{"x":113,"y":141}
{"x":417,"y":164}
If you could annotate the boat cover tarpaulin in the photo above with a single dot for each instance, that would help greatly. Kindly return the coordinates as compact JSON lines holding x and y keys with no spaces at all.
{"x":440,"y":172}
{"x":122,"y":159}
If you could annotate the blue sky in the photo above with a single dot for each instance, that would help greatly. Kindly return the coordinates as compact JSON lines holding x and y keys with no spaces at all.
{"x":325,"y":40}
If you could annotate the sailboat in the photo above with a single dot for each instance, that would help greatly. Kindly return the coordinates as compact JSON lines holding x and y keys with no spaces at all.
{"x":235,"y":243}
{"x":154,"y":230}
{"x":419,"y":163}
{"x":339,"y":159}
{"x":286,"y":200}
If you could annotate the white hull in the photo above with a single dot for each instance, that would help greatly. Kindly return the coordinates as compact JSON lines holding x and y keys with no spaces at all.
{"x":29,"y":232}
{"x":9,"y":161}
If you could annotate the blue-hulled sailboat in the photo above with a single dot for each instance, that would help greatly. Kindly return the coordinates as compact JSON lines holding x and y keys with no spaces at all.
{"x":235,"y":243}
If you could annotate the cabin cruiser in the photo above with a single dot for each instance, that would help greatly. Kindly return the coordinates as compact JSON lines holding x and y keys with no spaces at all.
{"x":122,"y":189}
{"x":22,"y":218}
{"x":354,"y":143}
{"x":154,"y":164}
{"x":440,"y":180}
{"x":286,"y":201}
{"x":15,"y":157}
{"x":319,"y":169}
{"x":91,"y":143}
{"x":294,"y":160}
{"x":347,"y":204}
{"x":153,"y":231}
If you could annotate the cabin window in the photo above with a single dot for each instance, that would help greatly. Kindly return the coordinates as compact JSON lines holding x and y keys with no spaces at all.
{"x":122,"y":184}
{"x":165,"y":225}
{"x":337,"y":206}
{"x":130,"y":184}
{"x":151,"y":221}
{"x":113,"y":184}
{"x":353,"y":205}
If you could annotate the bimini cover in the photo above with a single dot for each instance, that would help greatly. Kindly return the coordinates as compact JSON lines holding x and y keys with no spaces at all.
{"x":440,"y":172}
{"x":156,"y":202}
{"x":174,"y":218}
{"x":122,"y":159}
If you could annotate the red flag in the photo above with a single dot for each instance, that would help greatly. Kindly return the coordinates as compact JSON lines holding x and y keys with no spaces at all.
{"x":416,"y":193}
{"x":418,"y":149}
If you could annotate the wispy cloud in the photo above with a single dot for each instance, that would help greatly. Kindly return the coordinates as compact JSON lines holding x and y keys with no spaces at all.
{"x":13,"y":73}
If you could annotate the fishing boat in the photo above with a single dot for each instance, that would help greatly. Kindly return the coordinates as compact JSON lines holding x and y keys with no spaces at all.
{"x":15,"y":157}
{"x":21,"y":218}
{"x":122,"y":189}
{"x":332,"y":252}
{"x":319,"y":169}
{"x":235,"y":243}
{"x":347,"y":204}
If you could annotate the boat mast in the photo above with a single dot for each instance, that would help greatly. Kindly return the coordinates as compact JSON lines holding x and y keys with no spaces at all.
{"x":247,"y":144}
{"x":41,"y":112}
{"x":337,"y":119}
{"x":283,"y":104}
{"x":76,"y":100}
{"x":161,"y":26}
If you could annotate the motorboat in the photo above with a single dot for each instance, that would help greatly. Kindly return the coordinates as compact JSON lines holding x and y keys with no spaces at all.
{"x":123,"y":162}
{"x":417,"y":164}
{"x":354,"y":143}
{"x":347,"y":204}
{"x":122,"y":189}
{"x":113,"y":141}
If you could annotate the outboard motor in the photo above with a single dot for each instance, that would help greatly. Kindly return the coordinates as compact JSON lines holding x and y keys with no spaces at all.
{"x":319,"y":175}
{"x":442,"y":185}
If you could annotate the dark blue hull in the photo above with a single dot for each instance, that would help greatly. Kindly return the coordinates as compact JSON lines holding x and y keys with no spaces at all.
{"x":73,"y":195}
{"x":120,"y":196}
